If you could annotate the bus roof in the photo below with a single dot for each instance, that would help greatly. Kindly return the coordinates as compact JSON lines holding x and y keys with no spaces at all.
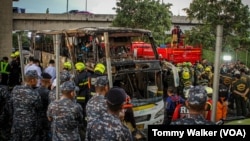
{"x":115,"y":31}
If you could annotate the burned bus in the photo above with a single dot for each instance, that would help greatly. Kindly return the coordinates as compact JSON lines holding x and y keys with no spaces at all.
{"x":140,"y":76}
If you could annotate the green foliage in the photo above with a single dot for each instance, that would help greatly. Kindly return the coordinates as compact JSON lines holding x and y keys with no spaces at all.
{"x":146,"y":14}
{"x":233,"y":15}
{"x":24,"y":37}
{"x":237,"y":54}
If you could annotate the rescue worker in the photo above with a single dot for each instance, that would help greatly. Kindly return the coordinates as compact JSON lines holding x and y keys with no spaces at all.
{"x":185,"y":79}
{"x":65,"y":115}
{"x":209,"y":103}
{"x":195,"y":102}
{"x":222,"y":104}
{"x":5,"y":71}
{"x":15,"y":71}
{"x":240,"y":90}
{"x":197,"y":73}
{"x":208,"y":75}
{"x":98,"y":129}
{"x":99,"y":70}
{"x":43,"y":91}
{"x":81,"y":80}
{"x":26,"y":104}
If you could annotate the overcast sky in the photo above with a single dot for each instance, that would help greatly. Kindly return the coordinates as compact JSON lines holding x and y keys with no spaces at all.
{"x":94,"y":6}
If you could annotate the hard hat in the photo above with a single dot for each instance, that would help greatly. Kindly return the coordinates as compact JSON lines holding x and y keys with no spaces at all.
{"x":207,"y":69}
{"x":100,"y":67}
{"x":17,"y":53}
{"x":80,"y":66}
{"x":200,"y":66}
{"x":178,"y":64}
{"x":189,"y":64}
{"x":13,"y":55}
{"x":209,"y":91}
{"x":67,"y":65}
{"x":185,"y":75}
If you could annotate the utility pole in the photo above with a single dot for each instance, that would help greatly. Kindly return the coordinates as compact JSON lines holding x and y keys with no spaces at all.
{"x":67,"y":7}
{"x":86,"y":5}
{"x":218,"y":46}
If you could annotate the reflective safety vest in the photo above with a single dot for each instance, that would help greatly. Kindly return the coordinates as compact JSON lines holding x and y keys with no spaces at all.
{"x":3,"y":68}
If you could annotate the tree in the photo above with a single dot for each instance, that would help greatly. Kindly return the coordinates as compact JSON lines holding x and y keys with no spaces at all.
{"x":24,"y":37}
{"x":232,"y":14}
{"x":146,"y":14}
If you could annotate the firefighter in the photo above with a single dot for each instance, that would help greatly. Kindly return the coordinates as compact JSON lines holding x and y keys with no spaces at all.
{"x":208,"y":75}
{"x":15,"y":70}
{"x":185,"y":79}
{"x":4,"y":70}
{"x":99,"y":70}
{"x":81,"y":80}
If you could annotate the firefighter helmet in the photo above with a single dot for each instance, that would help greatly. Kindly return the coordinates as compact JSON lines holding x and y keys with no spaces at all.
{"x":67,"y":65}
{"x":100,"y":67}
{"x":80,"y":66}
{"x":17,"y":53}
{"x":12,"y":55}
{"x":185,"y":74}
{"x":207,"y":69}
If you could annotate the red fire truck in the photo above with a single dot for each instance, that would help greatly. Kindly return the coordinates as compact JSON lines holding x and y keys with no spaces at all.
{"x":173,"y":54}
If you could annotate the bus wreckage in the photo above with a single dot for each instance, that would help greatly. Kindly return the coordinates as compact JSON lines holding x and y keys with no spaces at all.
{"x":140,"y":76}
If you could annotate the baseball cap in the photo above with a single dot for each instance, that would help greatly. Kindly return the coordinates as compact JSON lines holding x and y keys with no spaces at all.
{"x":197,"y":95}
{"x":116,"y":96}
{"x":68,"y":86}
{"x":32,"y":73}
{"x":45,"y":75}
{"x":101,"y":81}
{"x":65,"y":76}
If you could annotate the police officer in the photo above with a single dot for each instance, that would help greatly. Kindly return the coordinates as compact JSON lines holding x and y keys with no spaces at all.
{"x":64,"y":76}
{"x":97,"y":106}
{"x":98,"y":129}
{"x":5,"y":71}
{"x":65,"y":114}
{"x":43,"y":91}
{"x":99,"y":70}
{"x":4,"y":118}
{"x":196,"y":103}
{"x":26,"y":103}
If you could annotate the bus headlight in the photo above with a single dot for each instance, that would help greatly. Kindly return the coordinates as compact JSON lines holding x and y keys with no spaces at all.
{"x":142,"y":118}
{"x":159,"y":113}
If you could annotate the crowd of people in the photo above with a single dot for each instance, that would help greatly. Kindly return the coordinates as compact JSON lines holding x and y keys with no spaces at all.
{"x":86,"y":108}
{"x":233,"y":92}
